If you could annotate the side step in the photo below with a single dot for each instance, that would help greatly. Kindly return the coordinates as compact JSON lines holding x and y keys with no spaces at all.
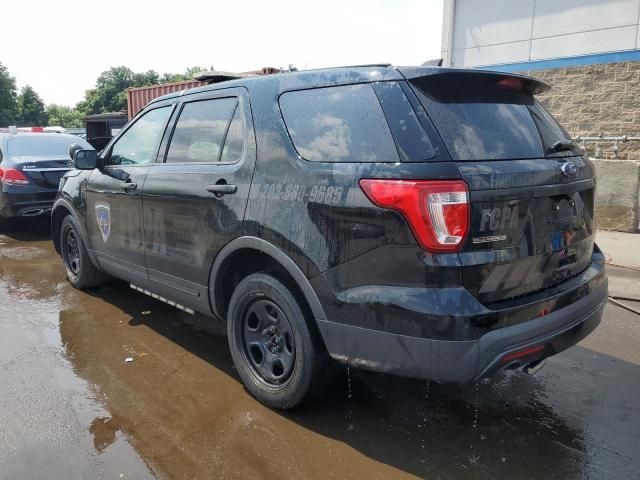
{"x":162,"y":299}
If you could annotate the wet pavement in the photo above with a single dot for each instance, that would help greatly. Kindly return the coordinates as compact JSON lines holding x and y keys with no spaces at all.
{"x":72,"y":407}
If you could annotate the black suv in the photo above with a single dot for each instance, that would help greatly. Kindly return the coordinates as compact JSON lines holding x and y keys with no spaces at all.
{"x":427,"y":222}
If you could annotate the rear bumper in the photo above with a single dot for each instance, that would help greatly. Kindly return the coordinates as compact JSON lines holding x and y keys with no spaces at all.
{"x":28,"y":204}
{"x":574,"y":313}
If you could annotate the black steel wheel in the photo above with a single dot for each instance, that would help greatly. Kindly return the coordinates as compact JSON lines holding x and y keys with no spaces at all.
{"x":268,"y":342}
{"x":276,"y":348}
{"x":72,"y":252}
{"x":81,"y":272}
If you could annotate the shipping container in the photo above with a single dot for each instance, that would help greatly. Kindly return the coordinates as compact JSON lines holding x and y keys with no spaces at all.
{"x":138,"y":97}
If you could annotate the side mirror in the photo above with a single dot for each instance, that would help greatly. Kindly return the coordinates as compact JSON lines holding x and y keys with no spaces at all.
{"x":86,"y":159}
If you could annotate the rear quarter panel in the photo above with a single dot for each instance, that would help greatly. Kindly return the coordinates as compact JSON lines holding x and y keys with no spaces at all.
{"x":315,"y":211}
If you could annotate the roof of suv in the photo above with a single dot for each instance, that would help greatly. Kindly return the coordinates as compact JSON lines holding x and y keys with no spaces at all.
{"x":344,"y":75}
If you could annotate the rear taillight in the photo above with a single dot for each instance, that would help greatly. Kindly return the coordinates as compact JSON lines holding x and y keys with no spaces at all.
{"x":437,"y":211}
{"x":12,"y":176}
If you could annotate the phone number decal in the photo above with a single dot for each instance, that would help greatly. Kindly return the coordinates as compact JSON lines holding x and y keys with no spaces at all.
{"x":299,"y":193}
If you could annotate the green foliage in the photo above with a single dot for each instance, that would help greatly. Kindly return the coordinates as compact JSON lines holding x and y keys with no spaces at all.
{"x":110,"y":93}
{"x":7,"y":97}
{"x":189,"y":74}
{"x":63,"y":116}
{"x":30,"y":109}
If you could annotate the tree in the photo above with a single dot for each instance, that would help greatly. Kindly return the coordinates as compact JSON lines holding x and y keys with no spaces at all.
{"x":63,"y":116}
{"x":30,"y":108}
{"x":7,"y":97}
{"x":189,"y":74}
{"x":110,"y":93}
{"x":150,"y":77}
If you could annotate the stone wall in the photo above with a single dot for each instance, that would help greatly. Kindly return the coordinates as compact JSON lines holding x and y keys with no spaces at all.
{"x":589,"y":100}
{"x":618,"y":195}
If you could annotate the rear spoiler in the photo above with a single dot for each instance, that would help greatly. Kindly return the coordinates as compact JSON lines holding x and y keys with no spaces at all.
{"x":522,"y":83}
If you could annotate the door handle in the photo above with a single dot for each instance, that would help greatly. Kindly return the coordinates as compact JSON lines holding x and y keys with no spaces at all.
{"x":220,"y":189}
{"x":129,"y":186}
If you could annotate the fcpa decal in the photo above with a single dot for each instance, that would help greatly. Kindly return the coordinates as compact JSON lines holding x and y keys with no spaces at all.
{"x":103,"y":216}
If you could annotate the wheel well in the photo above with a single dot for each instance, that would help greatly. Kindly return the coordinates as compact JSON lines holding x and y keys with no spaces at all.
{"x":243,"y":263}
{"x":56,"y":220}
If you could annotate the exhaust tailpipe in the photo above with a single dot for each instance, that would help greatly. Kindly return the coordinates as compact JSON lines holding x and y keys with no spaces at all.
{"x":534,"y":367}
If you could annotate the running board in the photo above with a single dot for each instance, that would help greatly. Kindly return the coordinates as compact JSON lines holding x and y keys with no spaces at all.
{"x":162,"y":299}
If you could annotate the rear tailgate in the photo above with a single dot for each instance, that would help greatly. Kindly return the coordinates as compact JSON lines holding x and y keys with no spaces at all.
{"x":531,"y":192}
{"x":530,"y":235}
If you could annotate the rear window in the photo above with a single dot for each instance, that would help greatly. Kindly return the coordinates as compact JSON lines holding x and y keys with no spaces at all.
{"x":479,"y":119}
{"x":51,"y":144}
{"x":338,"y":124}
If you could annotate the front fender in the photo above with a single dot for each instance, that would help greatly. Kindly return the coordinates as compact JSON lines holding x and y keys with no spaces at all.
{"x":61,"y":208}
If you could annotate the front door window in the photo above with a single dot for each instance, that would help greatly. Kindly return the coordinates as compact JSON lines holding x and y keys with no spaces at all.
{"x":139,"y":144}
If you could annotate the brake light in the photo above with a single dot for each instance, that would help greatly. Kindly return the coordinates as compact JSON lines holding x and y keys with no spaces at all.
{"x":12,"y":176}
{"x":437,"y":211}
{"x":513,"y":83}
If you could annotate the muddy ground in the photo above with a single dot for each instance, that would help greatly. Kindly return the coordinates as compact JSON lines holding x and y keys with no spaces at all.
{"x":71,"y":407}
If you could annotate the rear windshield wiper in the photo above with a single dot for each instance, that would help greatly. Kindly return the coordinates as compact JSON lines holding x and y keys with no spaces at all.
{"x":561,"y":146}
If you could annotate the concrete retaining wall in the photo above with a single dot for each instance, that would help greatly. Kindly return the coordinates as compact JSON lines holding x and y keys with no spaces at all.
{"x":618,"y":195}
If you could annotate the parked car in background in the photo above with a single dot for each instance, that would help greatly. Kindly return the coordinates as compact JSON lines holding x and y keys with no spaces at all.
{"x":78,"y":132}
{"x":428,"y":222}
{"x":31,"y":166}
{"x":56,"y":129}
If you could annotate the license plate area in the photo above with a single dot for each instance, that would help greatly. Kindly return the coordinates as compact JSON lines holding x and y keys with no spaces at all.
{"x":566,"y":210}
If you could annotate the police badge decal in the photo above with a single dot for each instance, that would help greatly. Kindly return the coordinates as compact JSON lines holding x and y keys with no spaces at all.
{"x":103,"y":216}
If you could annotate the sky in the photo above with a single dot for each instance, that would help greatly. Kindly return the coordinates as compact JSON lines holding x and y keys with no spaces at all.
{"x":60,"y":48}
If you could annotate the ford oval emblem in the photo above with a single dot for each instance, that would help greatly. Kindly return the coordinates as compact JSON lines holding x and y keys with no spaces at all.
{"x":569,"y":169}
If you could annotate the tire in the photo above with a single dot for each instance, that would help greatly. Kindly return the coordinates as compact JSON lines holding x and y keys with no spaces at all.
{"x":265,"y":321}
{"x":81,"y":272}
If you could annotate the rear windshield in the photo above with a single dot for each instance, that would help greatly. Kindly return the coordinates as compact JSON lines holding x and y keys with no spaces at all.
{"x":479,"y":119}
{"x":52,"y":144}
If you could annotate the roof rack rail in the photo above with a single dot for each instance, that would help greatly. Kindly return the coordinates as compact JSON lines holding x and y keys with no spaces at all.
{"x":365,"y":65}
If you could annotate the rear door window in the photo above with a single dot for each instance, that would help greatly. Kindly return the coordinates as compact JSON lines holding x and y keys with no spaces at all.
{"x":234,"y":143}
{"x":338,"y":124}
{"x":201,"y":130}
{"x":481,"y":119}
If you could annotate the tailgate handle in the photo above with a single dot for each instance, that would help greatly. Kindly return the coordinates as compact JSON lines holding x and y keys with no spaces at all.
{"x":220,"y":189}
